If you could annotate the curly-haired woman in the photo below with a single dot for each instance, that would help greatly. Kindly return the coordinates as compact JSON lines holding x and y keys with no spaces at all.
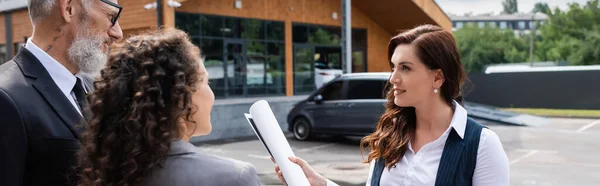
{"x":149,"y":100}
{"x":425,"y":137}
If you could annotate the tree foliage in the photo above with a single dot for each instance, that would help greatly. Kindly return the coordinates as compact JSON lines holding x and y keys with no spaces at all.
{"x":542,"y":7}
{"x":510,"y":6}
{"x":483,"y":46}
{"x":571,"y":36}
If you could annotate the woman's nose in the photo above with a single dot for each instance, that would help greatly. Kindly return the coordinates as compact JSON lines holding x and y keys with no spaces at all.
{"x":395,"y":79}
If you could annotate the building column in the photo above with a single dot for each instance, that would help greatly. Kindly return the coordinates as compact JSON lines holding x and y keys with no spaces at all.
{"x":9,"y":36}
{"x":289,"y":59}
{"x":168,"y":14}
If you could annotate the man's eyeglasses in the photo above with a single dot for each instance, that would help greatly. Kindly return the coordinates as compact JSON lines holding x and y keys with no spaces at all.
{"x":114,"y":19}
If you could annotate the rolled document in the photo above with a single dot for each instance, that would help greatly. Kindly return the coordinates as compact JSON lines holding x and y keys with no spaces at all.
{"x":267,"y":129}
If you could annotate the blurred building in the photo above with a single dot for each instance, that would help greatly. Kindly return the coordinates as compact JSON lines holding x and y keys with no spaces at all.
{"x":520,"y":22}
{"x":262,"y":47}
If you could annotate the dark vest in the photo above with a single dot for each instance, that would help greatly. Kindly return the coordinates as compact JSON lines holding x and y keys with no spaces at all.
{"x":458,"y":161}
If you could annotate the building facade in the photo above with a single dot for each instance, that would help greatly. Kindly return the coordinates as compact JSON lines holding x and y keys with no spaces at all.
{"x":520,"y":23}
{"x":263,"y":47}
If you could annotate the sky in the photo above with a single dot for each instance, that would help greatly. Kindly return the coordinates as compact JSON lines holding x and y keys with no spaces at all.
{"x":461,"y":7}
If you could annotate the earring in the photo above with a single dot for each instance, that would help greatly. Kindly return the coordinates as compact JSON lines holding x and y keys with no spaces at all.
{"x":435,"y":90}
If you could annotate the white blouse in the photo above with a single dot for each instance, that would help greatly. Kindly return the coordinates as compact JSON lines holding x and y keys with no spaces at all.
{"x":492,"y":168}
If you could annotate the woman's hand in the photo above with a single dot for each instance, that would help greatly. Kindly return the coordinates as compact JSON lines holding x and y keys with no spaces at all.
{"x":314,"y":178}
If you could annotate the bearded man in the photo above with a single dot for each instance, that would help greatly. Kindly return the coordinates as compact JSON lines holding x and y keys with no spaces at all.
{"x":43,"y":104}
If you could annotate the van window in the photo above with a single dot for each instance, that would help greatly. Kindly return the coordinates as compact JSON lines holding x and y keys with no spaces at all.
{"x":366,"y":89}
{"x":332,"y":91}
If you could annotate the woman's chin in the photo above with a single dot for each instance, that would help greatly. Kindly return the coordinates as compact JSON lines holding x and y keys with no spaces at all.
{"x":401,"y":103}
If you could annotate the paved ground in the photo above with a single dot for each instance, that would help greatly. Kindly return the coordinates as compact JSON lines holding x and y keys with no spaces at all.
{"x":565,"y":152}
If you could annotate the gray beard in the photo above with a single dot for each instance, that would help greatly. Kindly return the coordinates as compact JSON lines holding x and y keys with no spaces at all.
{"x":86,"y":52}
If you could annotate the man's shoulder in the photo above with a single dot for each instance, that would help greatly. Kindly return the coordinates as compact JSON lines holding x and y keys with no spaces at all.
{"x":8,"y":68}
{"x":11,"y":78}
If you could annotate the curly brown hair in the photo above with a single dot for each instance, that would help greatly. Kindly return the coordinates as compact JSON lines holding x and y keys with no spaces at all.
{"x":436,"y":48}
{"x":139,"y":103}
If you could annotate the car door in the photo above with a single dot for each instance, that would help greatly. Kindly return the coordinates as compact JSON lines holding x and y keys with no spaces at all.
{"x":325,"y":113}
{"x":366,"y":103}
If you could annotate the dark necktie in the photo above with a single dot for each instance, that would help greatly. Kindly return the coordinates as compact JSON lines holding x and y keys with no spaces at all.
{"x":82,"y":100}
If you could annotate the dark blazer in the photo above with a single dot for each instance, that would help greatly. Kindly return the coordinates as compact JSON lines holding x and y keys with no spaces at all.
{"x":185,"y":166}
{"x":39,"y":127}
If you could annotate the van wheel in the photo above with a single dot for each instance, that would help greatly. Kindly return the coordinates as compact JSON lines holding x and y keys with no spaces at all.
{"x":302,"y":129}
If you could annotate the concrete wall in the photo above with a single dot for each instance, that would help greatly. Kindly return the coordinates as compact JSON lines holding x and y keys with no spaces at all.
{"x":228,"y":119}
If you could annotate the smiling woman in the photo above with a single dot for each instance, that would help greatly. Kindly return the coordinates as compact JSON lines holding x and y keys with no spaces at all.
{"x":425,"y":137}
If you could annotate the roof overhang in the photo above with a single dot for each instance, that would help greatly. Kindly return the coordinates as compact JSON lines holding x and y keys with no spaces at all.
{"x":397,"y":15}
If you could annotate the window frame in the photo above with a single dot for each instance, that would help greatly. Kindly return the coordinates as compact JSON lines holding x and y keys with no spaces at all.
{"x":384,"y":84}
{"x":343,"y":91}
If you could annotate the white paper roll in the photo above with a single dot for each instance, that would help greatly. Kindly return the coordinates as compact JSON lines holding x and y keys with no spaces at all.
{"x":273,"y":136}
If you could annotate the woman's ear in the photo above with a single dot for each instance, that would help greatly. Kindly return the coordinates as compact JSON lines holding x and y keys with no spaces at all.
{"x":438,"y":78}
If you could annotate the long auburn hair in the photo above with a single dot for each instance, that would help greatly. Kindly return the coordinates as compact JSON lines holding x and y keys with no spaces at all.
{"x":139,"y":103}
{"x":436,"y":48}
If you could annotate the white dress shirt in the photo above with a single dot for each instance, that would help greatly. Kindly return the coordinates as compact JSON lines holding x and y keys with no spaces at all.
{"x":63,"y":78}
{"x":492,"y":168}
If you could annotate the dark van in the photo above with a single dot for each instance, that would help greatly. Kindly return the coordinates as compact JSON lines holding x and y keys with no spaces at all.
{"x":349,"y":105}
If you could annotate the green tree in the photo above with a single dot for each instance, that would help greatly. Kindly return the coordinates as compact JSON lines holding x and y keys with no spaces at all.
{"x":480,"y":47}
{"x":510,"y":6}
{"x":572,"y":35}
{"x":542,"y":7}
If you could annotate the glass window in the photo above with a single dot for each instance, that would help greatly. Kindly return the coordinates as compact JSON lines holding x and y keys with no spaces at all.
{"x":358,"y":61}
{"x":359,"y":38}
{"x":275,"y":30}
{"x":212,"y":54}
{"x":255,"y":47}
{"x":481,"y":24}
{"x":232,"y":27}
{"x":304,"y":69}
{"x":359,"y":45}
{"x":328,"y":57}
{"x":275,"y":68}
{"x":366,"y":89}
{"x":256,"y":76}
{"x":189,"y":23}
{"x":522,"y":25}
{"x":212,"y":26}
{"x":324,"y":35}
{"x":492,"y":24}
{"x":253,"y":66}
{"x":276,"y":49}
{"x":252,"y":29}
{"x":300,"y":34}
{"x":532,"y":24}
{"x":503,"y":24}
{"x":459,"y":24}
{"x":276,"y":74}
{"x":333,"y":91}
{"x":236,"y":60}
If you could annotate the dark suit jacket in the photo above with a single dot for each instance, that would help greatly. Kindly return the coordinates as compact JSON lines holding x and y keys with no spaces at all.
{"x":39,"y":127}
